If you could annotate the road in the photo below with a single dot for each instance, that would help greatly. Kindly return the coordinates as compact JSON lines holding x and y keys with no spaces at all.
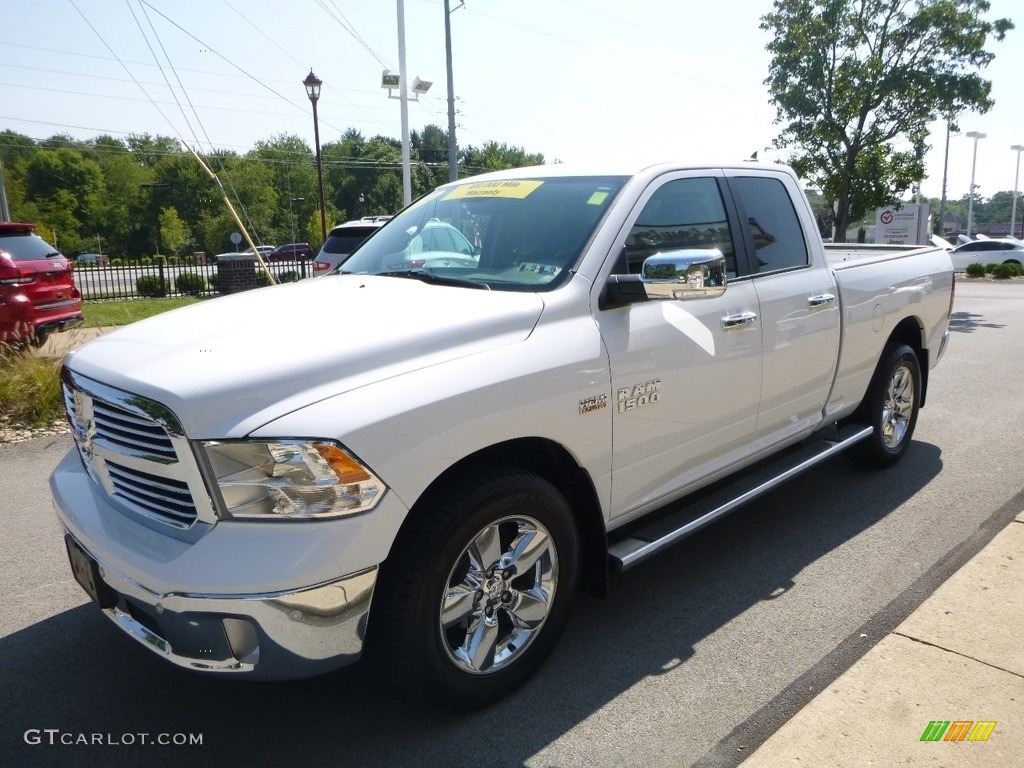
{"x":696,"y":657}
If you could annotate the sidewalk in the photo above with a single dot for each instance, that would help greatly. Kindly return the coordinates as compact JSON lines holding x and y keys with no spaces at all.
{"x":958,"y":657}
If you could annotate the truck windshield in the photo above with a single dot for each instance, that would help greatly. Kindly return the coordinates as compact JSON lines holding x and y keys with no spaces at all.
{"x":519,"y":234}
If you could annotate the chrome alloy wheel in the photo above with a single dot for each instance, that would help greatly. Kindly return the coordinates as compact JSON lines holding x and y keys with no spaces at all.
{"x":498,"y":594}
{"x":897,"y":406}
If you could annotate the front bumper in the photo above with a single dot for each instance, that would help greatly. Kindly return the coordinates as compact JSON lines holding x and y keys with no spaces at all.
{"x":276,"y":600}
{"x":276,"y":636}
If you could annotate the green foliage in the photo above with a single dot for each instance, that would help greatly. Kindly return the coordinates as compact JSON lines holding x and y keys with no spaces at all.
{"x":75,"y":190}
{"x":214,"y":282}
{"x":852,"y":82}
{"x":190,"y":283}
{"x":1006,"y":271}
{"x":151,"y":286}
{"x":291,"y":276}
{"x":975,"y":270}
{"x":174,"y":233}
{"x":261,"y":278}
{"x":29,"y":387}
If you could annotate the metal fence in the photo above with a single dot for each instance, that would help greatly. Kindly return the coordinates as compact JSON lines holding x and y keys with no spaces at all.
{"x":168,"y":277}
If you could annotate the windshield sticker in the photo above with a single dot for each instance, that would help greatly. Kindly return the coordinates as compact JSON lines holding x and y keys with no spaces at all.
{"x":516,"y":190}
{"x":598,"y":197}
{"x":548,"y":270}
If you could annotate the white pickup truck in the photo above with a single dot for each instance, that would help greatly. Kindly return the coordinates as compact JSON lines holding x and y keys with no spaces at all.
{"x":521,"y":382}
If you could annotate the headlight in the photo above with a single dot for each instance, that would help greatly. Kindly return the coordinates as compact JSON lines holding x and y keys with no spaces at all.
{"x":291,"y":479}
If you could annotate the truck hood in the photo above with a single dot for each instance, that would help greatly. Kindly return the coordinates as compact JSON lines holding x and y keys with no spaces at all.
{"x":229,"y":365}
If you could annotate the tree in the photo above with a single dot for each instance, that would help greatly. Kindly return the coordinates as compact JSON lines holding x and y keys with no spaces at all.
{"x":174,"y":233}
{"x":855,"y":83}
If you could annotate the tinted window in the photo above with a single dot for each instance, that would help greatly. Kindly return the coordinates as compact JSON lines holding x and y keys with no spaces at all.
{"x":346,"y":240}
{"x":684,"y":214}
{"x":24,"y":246}
{"x":778,"y":238}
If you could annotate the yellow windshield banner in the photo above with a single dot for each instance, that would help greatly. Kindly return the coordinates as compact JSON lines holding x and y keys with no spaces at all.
{"x":517,"y":190}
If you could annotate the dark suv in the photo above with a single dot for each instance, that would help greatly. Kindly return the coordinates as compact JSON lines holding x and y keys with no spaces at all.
{"x":291,"y":252}
{"x":37,"y":291}
{"x":344,"y":239}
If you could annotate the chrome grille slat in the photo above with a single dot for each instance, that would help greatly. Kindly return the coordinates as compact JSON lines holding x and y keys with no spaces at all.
{"x":122,"y":428}
{"x":132,"y":455}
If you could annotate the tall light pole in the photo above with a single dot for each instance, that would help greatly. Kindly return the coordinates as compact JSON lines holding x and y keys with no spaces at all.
{"x":1018,"y":148}
{"x":976,"y":135}
{"x":945,"y":174}
{"x":391,"y":80}
{"x":453,"y":155}
{"x":313,"y":83}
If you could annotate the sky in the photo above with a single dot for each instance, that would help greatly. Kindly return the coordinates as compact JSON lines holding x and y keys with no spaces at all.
{"x":580,"y":81}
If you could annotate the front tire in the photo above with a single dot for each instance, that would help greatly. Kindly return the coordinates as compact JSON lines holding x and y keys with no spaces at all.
{"x":477,"y":589}
{"x":890,"y":406}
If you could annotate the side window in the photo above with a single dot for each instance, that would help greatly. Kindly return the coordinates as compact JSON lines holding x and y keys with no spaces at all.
{"x":683,"y":214}
{"x":778,"y":238}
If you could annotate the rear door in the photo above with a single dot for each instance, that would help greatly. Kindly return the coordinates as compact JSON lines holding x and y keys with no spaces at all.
{"x":798,"y":300}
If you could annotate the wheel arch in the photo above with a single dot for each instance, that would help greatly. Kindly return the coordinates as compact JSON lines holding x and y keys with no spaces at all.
{"x":910,"y":331}
{"x":554,"y":463}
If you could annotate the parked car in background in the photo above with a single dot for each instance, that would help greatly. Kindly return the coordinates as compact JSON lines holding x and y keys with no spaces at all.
{"x":37,"y":290}
{"x":88,"y":258}
{"x":291,"y":252}
{"x":344,"y":239}
{"x":265,"y":250}
{"x":1007,"y":250}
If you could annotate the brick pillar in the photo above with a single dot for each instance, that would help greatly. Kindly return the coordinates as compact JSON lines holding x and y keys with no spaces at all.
{"x":235,"y":274}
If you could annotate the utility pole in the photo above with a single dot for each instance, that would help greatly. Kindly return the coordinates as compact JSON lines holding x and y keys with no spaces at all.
{"x":453,"y":154}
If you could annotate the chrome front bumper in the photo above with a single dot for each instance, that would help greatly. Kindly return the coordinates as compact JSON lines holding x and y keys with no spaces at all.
{"x":281,"y":635}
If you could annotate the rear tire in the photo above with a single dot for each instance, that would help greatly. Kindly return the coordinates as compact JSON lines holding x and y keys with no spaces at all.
{"x":890,"y":406}
{"x":476,"y":591}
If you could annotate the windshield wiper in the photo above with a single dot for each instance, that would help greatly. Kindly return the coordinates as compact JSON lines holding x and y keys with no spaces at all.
{"x":429,"y":277}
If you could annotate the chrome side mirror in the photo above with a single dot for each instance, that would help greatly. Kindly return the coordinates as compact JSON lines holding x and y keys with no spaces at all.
{"x":689,"y":274}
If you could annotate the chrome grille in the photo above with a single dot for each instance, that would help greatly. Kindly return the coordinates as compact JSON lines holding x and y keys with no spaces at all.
{"x":130,"y":433}
{"x":134,"y":449}
{"x":162,"y":498}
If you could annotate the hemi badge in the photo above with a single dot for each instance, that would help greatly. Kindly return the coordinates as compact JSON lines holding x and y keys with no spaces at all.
{"x":593,"y":404}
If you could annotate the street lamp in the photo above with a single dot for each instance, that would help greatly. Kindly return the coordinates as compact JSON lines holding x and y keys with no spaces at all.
{"x":391,"y":80}
{"x":313,"y":83}
{"x":970,"y":198}
{"x":1018,"y":148}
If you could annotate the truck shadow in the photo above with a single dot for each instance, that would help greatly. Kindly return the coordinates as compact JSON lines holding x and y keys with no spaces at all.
{"x":77,"y":673}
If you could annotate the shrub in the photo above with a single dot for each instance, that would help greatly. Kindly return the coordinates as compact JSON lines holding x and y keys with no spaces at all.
{"x":173,"y":261}
{"x":29,"y":387}
{"x":146,"y":261}
{"x":291,"y":276}
{"x":1003,"y":271}
{"x":151,"y":287}
{"x":190,"y":283}
{"x":117,"y":262}
{"x":975,"y":270}
{"x":990,"y":268}
{"x":213,"y":281}
{"x":262,"y":279}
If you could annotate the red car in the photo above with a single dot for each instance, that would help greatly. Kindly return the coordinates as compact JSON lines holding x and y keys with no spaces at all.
{"x":37,"y":291}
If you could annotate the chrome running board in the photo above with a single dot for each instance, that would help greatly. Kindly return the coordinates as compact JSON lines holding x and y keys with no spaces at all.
{"x":690,"y":517}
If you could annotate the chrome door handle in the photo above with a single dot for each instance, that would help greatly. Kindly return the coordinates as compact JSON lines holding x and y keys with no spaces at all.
{"x":738,"y":321}
{"x":821,"y":300}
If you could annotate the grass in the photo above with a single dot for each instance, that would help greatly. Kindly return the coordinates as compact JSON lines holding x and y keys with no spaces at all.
{"x":106,"y":313}
{"x":30,"y":385}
